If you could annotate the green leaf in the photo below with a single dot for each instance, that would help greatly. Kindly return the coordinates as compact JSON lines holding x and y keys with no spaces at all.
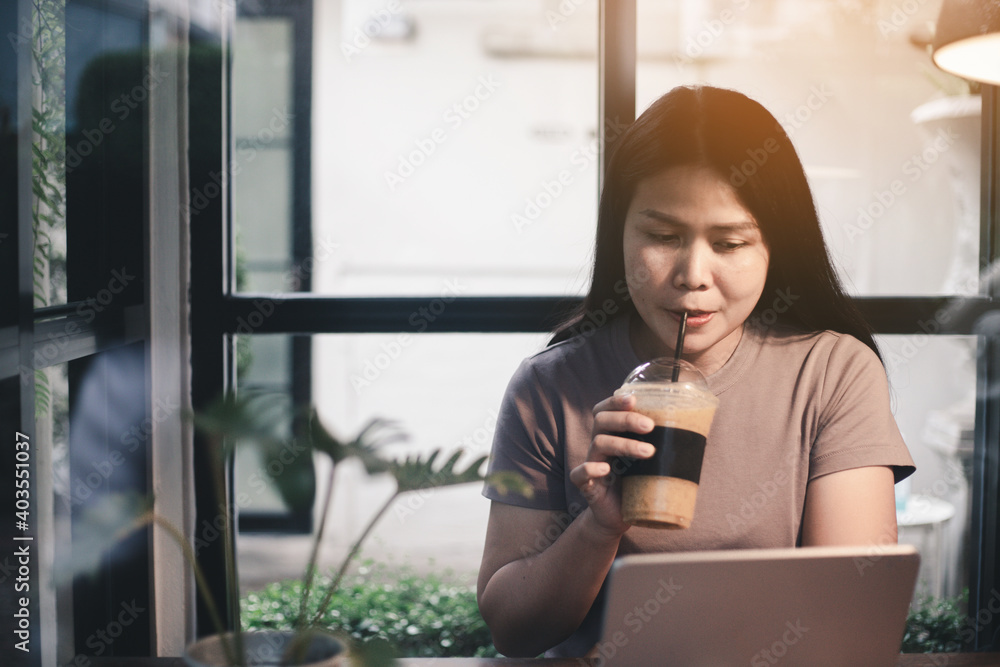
{"x":375,"y":652}
{"x":291,"y":469}
{"x":37,"y":190}
{"x":322,"y":440}
{"x":415,"y":472}
{"x":367,"y":445}
{"x":249,"y":415}
{"x":38,"y":154}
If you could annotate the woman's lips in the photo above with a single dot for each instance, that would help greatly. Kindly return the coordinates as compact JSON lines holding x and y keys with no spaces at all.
{"x":696,"y":318}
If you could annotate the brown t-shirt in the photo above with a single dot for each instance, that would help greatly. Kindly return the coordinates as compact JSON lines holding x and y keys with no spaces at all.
{"x":793,"y":406}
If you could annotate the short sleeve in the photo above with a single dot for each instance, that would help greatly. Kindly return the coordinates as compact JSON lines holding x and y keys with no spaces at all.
{"x":856,"y":426}
{"x":526,"y":442}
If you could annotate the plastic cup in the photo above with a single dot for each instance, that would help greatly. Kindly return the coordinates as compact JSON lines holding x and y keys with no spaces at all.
{"x":660,"y":492}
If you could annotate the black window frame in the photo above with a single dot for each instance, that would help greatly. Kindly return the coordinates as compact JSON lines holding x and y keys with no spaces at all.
{"x":89,"y":340}
{"x":219,"y":310}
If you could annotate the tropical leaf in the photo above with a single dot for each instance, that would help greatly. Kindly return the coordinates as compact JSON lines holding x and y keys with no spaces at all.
{"x":248,"y":415}
{"x":290,"y":467}
{"x":321,"y":439}
{"x":368,"y":444}
{"x":417,"y":472}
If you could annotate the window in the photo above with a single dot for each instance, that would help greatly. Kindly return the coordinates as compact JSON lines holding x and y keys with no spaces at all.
{"x":409,"y":208}
{"x":74,"y":362}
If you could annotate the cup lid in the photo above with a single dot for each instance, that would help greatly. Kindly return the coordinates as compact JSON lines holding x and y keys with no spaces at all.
{"x":661,"y":371}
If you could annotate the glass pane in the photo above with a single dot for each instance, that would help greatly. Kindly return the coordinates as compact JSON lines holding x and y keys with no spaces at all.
{"x":890,"y":143}
{"x":935,"y":410}
{"x":56,"y":500}
{"x":264,"y":363}
{"x":443,"y":391}
{"x":262,"y":158}
{"x":51,"y":155}
{"x":450,"y":142}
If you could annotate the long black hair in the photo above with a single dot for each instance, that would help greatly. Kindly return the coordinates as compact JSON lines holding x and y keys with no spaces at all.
{"x":742,"y":142}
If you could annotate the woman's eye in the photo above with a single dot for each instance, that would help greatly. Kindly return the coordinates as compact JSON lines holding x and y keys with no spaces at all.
{"x":729,"y":245}
{"x":665,"y":238}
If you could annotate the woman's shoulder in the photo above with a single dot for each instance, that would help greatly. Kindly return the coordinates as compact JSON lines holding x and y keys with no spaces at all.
{"x":584,"y":363}
{"x":785,"y":336}
{"x":608,"y":342}
{"x":828,"y":349}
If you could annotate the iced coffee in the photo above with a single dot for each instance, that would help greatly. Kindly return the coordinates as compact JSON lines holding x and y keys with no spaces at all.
{"x":660,"y":492}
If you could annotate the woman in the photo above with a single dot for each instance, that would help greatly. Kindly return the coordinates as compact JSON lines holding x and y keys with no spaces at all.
{"x":705,"y":209}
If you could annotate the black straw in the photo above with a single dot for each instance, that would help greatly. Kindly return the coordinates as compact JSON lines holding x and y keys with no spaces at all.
{"x":679,"y":347}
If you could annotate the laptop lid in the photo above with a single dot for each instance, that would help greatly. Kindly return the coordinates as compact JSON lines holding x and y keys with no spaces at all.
{"x":758,"y":607}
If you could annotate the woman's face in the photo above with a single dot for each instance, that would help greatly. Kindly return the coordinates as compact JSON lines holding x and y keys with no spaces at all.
{"x":690,"y":244}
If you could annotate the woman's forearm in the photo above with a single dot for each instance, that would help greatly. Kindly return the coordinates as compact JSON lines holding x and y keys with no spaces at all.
{"x":535,"y":602}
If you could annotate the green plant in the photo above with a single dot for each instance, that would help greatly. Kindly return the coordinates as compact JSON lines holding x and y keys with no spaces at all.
{"x":934,"y":625}
{"x":420,"y":616}
{"x":253,"y":417}
{"x":48,"y":163}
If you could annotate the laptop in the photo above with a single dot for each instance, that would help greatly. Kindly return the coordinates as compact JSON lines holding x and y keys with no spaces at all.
{"x":759,"y":607}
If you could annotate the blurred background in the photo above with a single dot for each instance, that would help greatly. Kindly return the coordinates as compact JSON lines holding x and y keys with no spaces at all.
{"x":454,"y":153}
{"x":376,"y":206}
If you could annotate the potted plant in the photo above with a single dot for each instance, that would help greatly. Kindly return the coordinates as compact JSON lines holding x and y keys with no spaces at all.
{"x":250,"y":418}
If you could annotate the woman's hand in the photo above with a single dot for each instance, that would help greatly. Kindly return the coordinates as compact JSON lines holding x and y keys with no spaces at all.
{"x":593,"y":477}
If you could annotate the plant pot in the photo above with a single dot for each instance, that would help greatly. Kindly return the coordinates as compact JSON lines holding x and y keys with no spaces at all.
{"x":264,"y":648}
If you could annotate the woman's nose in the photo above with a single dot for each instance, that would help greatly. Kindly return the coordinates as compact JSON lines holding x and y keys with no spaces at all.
{"x":693,"y":269}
